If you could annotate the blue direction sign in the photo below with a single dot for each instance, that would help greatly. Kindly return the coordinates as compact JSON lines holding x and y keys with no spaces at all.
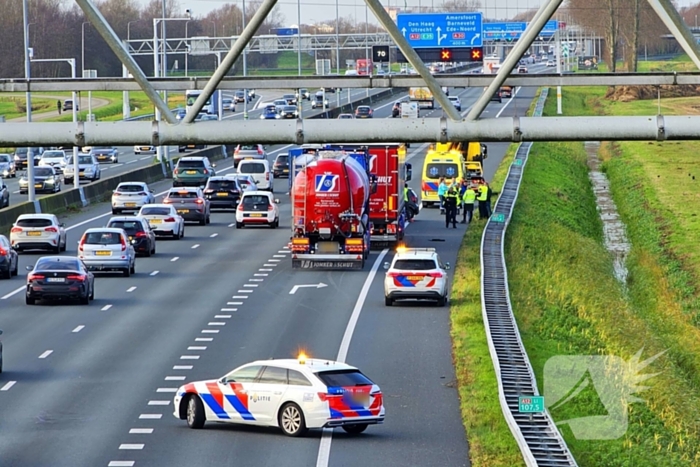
{"x":513,"y":31}
{"x":441,"y":30}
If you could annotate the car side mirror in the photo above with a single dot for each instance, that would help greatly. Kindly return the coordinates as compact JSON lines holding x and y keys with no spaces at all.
{"x":151,"y":191}
{"x":62,"y":225}
{"x":29,"y":268}
{"x":386,"y":265}
{"x":213,"y":165}
{"x":277,"y":201}
{"x":447,"y":266}
{"x":223,"y":380}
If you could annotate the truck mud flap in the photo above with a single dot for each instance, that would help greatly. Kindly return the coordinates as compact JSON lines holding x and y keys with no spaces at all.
{"x":327,"y":264}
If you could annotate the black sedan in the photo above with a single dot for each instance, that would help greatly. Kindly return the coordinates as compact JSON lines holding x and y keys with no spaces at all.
{"x":9,"y":261}
{"x":60,"y":278}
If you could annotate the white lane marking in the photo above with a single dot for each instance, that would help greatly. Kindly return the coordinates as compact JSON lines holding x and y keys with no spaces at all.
{"x":121,"y":464}
{"x":8,"y":385}
{"x":175,"y":259}
{"x":269,"y":265}
{"x":141,"y":431}
{"x":216,"y":323}
{"x":285,"y":248}
{"x":196,"y":245}
{"x":182,"y":367}
{"x":324,"y":448}
{"x":210,"y":331}
{"x":231,"y":309}
{"x":279,"y":256}
{"x":175,"y":378}
{"x":189,"y":357}
{"x":78,"y":328}
{"x":283,"y":251}
{"x":250,"y":285}
{"x":131,"y":162}
{"x":197,"y":347}
{"x":232,"y":303}
{"x":256,"y":280}
{"x":136,"y":447}
{"x":131,"y":289}
{"x":106,"y":307}
{"x":231,"y":225}
{"x":244,"y":291}
{"x":158,"y":402}
{"x":213,"y":235}
{"x":264,"y":269}
{"x":46,"y":354}
{"x":14,"y":292}
{"x":261,"y":275}
{"x":203,"y":339}
{"x":144,"y":158}
{"x":239,"y":297}
{"x":222,"y":316}
{"x":154,"y":273}
{"x":509,"y":101}
{"x":274,"y":261}
{"x":166,"y":390}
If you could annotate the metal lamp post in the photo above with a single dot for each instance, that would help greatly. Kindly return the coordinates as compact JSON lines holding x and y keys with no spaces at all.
{"x":27,"y":73}
{"x":245,"y":70}
{"x":82,"y":68}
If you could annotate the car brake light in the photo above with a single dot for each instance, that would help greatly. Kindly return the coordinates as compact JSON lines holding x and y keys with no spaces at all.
{"x":393,"y":274}
{"x":82,"y":242}
{"x":175,"y":171}
{"x":260,"y":151}
{"x":206,"y":171}
{"x":118,"y":193}
{"x":3,"y":252}
{"x":435,"y":274}
{"x":199,"y":201}
{"x":16,"y":229}
{"x":270,"y":207}
{"x":141,"y":234}
{"x":237,"y":150}
{"x":34,"y":277}
{"x":240,"y":207}
{"x":167,"y":201}
{"x":51,"y":229}
{"x":267,"y":176}
{"x":169,"y":219}
{"x":76,"y":277}
{"x":123,"y":243}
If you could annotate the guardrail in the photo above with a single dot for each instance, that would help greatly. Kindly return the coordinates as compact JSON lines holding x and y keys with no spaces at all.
{"x":537,"y":436}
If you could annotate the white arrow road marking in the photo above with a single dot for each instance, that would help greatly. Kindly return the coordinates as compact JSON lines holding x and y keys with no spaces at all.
{"x":320,"y":285}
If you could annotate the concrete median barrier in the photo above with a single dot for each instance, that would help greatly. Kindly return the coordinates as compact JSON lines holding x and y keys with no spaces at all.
{"x":8,"y":216}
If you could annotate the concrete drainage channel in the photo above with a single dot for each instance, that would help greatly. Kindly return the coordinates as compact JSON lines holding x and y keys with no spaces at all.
{"x":99,"y":191}
{"x":536,"y":434}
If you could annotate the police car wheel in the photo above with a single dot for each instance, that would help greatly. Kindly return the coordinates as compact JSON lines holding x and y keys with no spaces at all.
{"x":355,"y":429}
{"x":195,"y":412}
{"x":291,"y":420}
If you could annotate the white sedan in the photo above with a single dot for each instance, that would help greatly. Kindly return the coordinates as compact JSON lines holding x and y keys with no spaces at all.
{"x":164,"y":220}
{"x":294,"y":395}
{"x":139,"y":149}
{"x":418,"y":274}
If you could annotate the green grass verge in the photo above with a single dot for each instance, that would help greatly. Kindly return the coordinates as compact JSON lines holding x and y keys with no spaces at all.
{"x":490,"y":440}
{"x":12,"y":106}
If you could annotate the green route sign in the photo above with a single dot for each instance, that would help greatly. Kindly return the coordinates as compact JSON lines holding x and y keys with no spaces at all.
{"x":530,"y":404}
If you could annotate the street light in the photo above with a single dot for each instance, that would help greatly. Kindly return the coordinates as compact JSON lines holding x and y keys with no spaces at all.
{"x":76,"y":171}
{"x":82,"y":47}
{"x":214,"y":23}
{"x":27,"y":73}
{"x":128,"y":28}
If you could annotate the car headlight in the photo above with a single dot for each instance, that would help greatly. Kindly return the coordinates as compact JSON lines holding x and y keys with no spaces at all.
{"x":278,"y":116}
{"x":49,"y":181}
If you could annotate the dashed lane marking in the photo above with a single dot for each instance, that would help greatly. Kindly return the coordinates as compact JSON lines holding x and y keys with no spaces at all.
{"x":203,"y":339}
{"x":106,"y":307}
{"x":78,"y":328}
{"x":210,"y":331}
{"x":154,"y":273}
{"x":189,"y":357}
{"x":231,"y":309}
{"x":135,"y":447}
{"x":182,"y":367}
{"x":222,"y":316}
{"x":250,"y":285}
{"x":166,"y":390}
{"x":256,"y":280}
{"x":195,"y":246}
{"x":269,"y":265}
{"x":14,"y":292}
{"x":231,"y":225}
{"x":150,"y":416}
{"x":131,"y":289}
{"x":141,"y":431}
{"x":175,"y":259}
{"x":158,"y":402}
{"x":216,"y":323}
{"x":8,"y":385}
{"x":175,"y":378}
{"x":197,"y":347}
{"x":46,"y":354}
{"x":121,"y":464}
{"x":213,"y":235}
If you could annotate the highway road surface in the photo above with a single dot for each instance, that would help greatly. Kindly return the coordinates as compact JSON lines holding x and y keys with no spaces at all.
{"x":93,"y":385}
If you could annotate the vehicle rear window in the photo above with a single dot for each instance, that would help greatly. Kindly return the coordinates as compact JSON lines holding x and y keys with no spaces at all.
{"x":146,"y":211}
{"x":103,"y":238}
{"x":130,"y":188}
{"x":249,"y":147}
{"x":128,"y":226}
{"x":222,"y":185}
{"x":436,"y":171}
{"x":190,"y":164}
{"x":34,"y":223}
{"x":255,"y":200}
{"x":182,"y":194}
{"x":84,"y":160}
{"x":52,"y":264}
{"x":283,"y":159}
{"x":52,"y":155}
{"x":42,"y":171}
{"x":415,"y":264}
{"x":343,"y":378}
{"x":251,"y":168}
{"x":4,"y":158}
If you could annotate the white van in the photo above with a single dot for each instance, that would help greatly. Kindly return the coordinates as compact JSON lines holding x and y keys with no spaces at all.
{"x":260,"y":171}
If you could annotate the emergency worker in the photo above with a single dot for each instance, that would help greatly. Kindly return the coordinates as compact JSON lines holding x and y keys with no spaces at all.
{"x":451,"y":207}
{"x":442,"y":190}
{"x":482,"y":198}
{"x":468,"y":200}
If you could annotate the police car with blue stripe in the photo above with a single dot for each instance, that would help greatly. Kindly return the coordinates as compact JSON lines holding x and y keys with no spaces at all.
{"x":416,"y":274}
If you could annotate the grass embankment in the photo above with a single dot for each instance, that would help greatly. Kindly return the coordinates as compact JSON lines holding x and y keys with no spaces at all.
{"x":16,"y":106}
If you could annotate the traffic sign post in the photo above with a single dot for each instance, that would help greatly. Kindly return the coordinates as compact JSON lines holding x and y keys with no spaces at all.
{"x":441,"y":30}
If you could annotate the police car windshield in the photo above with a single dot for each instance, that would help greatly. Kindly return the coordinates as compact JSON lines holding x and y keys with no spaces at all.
{"x":343,"y":378}
{"x":435,"y":171}
{"x":414,"y":264}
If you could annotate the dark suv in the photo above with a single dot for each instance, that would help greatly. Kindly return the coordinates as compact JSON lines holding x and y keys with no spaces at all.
{"x":193,"y":171}
{"x":280,"y":168}
{"x":139,"y":231}
{"x":223,"y":192}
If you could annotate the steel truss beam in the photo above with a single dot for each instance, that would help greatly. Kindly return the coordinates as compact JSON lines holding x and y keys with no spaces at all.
{"x":515,"y":129}
{"x":283,"y":82}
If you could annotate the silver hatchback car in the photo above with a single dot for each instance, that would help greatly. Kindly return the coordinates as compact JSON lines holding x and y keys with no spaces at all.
{"x":107,"y":249}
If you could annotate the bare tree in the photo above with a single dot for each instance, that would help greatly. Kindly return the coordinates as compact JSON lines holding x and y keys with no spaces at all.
{"x":460,"y":5}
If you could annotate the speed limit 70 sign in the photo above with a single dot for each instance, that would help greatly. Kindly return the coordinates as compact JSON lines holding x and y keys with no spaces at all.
{"x":380,"y":53}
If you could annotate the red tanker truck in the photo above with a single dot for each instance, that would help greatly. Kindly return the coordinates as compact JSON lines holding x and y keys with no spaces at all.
{"x":330,"y":213}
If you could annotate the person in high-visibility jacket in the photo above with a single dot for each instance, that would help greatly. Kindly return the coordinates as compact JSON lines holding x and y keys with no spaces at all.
{"x":483,"y":198}
{"x":451,"y":207}
{"x":405,"y":192}
{"x":442,"y":190}
{"x":468,"y":201}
